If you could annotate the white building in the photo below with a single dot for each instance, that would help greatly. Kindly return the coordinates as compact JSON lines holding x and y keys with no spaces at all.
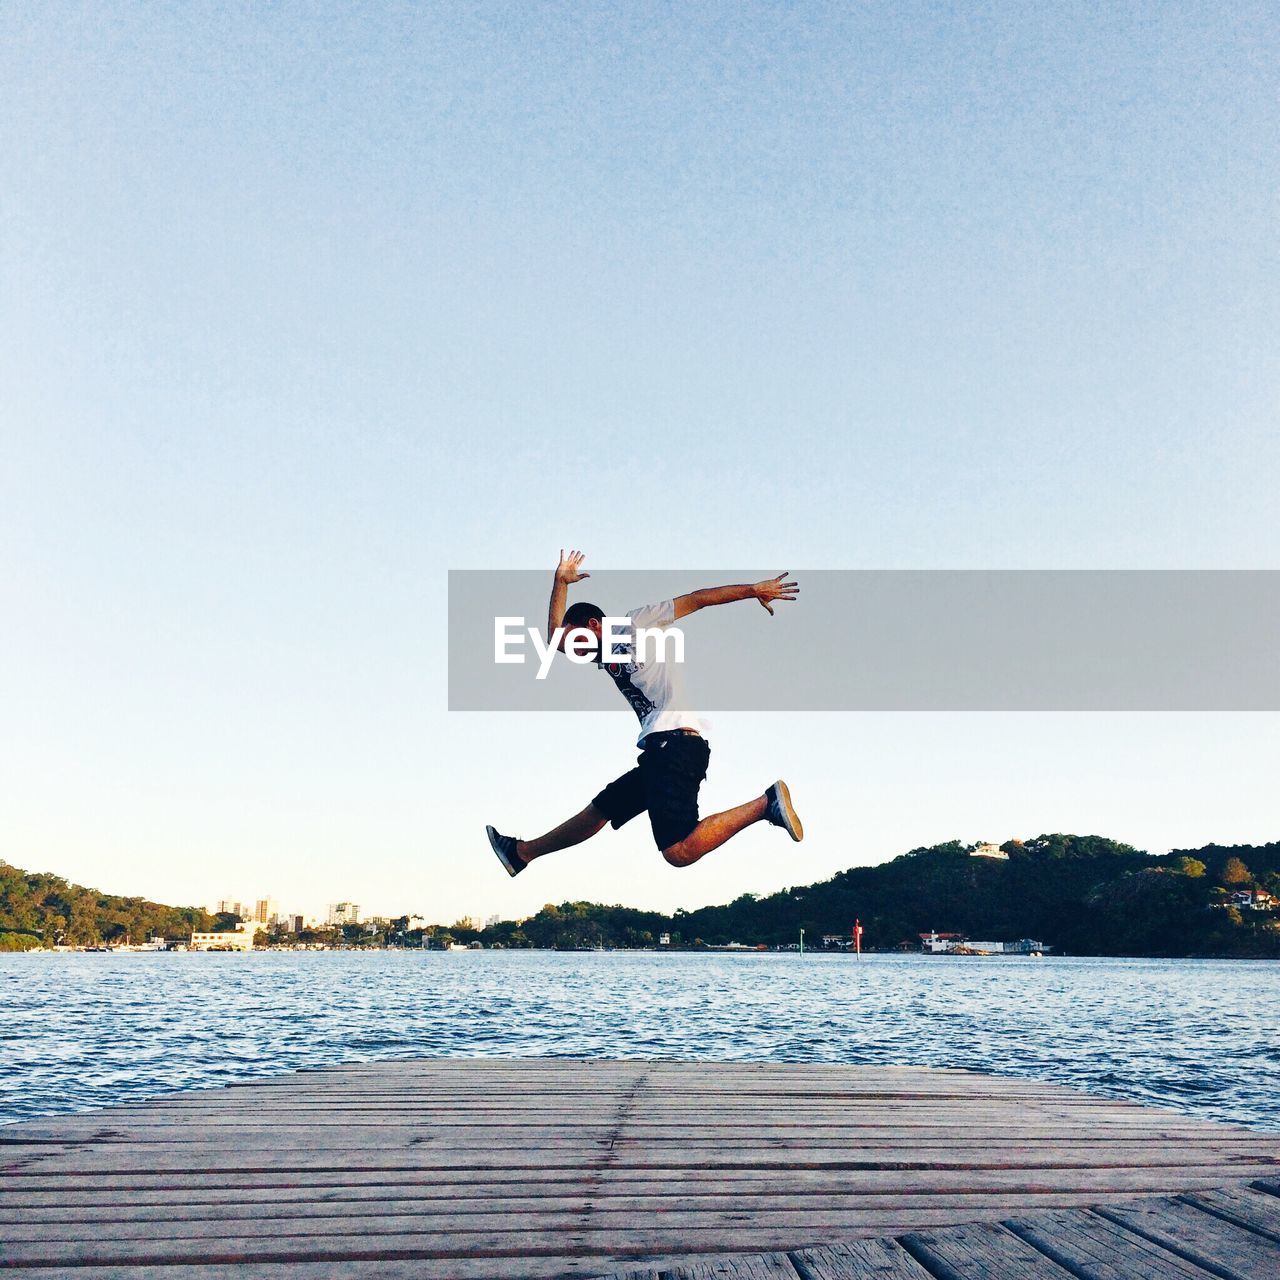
{"x":1023,"y":947}
{"x":988,"y":850}
{"x":937,"y":944}
{"x":344,"y":913}
{"x":1251,"y":900}
{"x":238,"y":939}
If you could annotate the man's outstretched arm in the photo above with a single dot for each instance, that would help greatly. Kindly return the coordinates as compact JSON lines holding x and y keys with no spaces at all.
{"x":765,"y":592}
{"x":567,"y":571}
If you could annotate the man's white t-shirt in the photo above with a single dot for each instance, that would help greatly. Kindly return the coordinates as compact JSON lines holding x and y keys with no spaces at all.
{"x":655,"y":690}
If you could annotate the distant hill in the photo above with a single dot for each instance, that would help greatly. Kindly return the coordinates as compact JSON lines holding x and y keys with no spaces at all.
{"x":1079,"y":894}
{"x":38,"y":909}
{"x":1084,"y":895}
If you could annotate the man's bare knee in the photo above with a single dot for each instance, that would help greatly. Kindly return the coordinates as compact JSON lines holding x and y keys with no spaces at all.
{"x":677,"y":855}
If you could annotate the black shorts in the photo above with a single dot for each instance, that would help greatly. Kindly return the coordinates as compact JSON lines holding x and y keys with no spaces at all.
{"x":665,"y":781}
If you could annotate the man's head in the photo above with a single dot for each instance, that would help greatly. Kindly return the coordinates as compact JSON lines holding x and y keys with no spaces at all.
{"x":588,"y":617}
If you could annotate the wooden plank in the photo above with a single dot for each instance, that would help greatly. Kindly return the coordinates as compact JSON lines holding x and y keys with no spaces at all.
{"x":758,"y":1112}
{"x":585,"y":1099}
{"x":518,"y":1161}
{"x":548,"y":1152}
{"x":518,"y":1241}
{"x":668,"y":1230}
{"x":779,"y":1219}
{"x":580,"y":1087}
{"x":981,"y":1251}
{"x":866,"y":1175}
{"x":989,"y":1196}
{"x":548,"y":1267}
{"x":772,"y":1266}
{"x":1208,"y":1241}
{"x":1245,"y":1206}
{"x":505,"y":1095}
{"x":565,"y":1076}
{"x":660,"y":1127}
{"x":656,"y":1100}
{"x":435,"y":1172}
{"x":836,"y":1203}
{"x":1095,"y":1248}
{"x":859,"y":1260}
{"x":584,"y":1094}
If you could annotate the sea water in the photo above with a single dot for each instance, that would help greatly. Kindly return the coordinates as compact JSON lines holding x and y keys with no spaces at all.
{"x":80,"y":1031}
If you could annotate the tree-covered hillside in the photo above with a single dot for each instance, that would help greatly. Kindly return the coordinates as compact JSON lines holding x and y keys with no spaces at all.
{"x":1080,"y":894}
{"x":1083,"y":895}
{"x":38,"y":909}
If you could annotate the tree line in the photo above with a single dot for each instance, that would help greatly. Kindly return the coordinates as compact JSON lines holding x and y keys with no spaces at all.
{"x":40,"y":909}
{"x":1082,"y":895}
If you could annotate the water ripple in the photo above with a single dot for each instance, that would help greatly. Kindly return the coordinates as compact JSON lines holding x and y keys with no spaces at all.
{"x":84,"y":1031}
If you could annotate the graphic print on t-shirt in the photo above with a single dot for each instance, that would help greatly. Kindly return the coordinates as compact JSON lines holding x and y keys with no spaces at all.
{"x":654,"y":690}
{"x":621,"y":673}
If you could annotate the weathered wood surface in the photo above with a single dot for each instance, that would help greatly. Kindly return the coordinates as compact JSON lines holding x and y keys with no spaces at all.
{"x":1085,"y":1242}
{"x":504,"y":1169}
{"x":981,"y":1249}
{"x":1201,"y":1237}
{"x":1171,"y":1239}
{"x":884,"y":1259}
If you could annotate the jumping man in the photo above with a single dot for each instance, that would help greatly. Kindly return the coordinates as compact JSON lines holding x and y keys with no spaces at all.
{"x":673,"y":753}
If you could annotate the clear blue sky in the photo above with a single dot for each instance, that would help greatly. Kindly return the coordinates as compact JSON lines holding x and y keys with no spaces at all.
{"x":303,"y":305}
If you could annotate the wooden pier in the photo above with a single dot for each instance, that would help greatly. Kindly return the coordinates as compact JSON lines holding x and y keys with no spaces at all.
{"x":527,"y":1169}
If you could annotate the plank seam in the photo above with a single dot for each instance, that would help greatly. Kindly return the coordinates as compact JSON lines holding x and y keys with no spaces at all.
{"x":597,"y":1171}
{"x":937,"y":1267}
{"x":800,"y":1266}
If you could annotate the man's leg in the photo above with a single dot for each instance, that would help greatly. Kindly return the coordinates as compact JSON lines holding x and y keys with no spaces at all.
{"x":618,"y":803}
{"x":714,"y":830}
{"x":674,"y":766}
{"x":582,"y":826}
{"x":674,"y":772}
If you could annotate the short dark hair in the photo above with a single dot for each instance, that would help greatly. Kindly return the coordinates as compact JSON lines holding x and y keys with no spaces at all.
{"x":578,"y":615}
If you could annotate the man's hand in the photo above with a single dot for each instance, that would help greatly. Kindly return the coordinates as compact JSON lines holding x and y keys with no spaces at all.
{"x":772,"y":589}
{"x":569,"y":570}
{"x":766,"y":592}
